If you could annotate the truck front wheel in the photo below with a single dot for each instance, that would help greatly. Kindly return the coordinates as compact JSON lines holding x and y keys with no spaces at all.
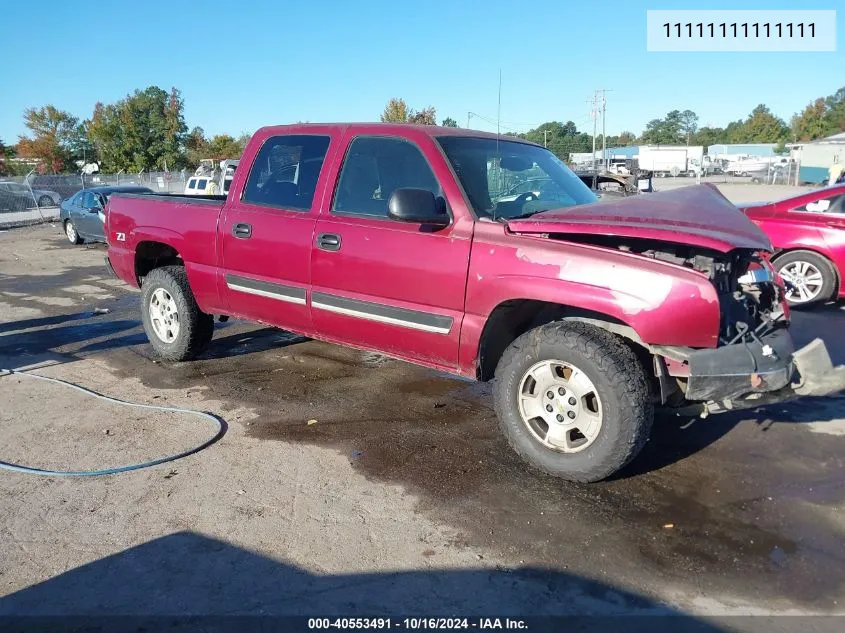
{"x":177,"y":329}
{"x":573,"y":400}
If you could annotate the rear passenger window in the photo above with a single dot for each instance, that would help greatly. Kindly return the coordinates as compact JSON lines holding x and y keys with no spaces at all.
{"x":374,"y":168}
{"x":833,"y":204}
{"x":286,"y":170}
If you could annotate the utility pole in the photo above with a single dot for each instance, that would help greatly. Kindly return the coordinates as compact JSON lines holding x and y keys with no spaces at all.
{"x":594,"y":116}
{"x":545,"y":138}
{"x":599,"y":102}
{"x":603,"y":133}
{"x":469,"y":114}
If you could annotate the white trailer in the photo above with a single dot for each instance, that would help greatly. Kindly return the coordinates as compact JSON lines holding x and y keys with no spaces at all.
{"x":667,"y":160}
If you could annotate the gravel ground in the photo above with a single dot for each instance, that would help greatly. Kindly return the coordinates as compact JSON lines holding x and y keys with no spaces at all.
{"x":401,"y":499}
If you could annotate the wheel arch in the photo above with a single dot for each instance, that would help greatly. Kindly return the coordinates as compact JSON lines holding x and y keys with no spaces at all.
{"x":152,"y":254}
{"x":510,"y":319}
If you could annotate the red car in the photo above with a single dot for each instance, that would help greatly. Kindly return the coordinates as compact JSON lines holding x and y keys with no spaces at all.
{"x":808,"y":235}
{"x":407,"y":240}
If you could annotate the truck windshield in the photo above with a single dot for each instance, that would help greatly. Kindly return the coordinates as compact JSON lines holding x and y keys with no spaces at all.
{"x":507,"y":179}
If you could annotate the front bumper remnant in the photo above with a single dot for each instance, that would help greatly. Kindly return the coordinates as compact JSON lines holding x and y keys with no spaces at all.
{"x":811,"y":366}
{"x":757,"y":366}
{"x":818,"y":376}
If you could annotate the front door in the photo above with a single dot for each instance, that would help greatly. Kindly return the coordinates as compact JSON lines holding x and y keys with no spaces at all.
{"x":267,"y":234}
{"x":383,"y":284}
{"x":87,"y":219}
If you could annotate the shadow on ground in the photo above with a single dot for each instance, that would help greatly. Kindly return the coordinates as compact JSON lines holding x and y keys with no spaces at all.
{"x":186,"y":574}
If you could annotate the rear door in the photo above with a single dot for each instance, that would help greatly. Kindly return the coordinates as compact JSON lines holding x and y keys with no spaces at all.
{"x":266,"y":235}
{"x":379,"y":283}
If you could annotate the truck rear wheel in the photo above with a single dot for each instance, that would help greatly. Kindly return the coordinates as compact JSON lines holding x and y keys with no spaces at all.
{"x":177,"y":329}
{"x":573,"y":401}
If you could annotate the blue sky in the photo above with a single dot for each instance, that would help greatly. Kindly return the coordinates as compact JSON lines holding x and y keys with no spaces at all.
{"x":241,"y":65}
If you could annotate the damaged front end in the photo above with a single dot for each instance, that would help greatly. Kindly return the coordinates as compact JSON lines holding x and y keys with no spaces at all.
{"x":755,"y":362}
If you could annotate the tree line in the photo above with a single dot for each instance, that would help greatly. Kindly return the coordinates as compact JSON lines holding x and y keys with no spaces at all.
{"x":146,"y":130}
{"x":823,"y":117}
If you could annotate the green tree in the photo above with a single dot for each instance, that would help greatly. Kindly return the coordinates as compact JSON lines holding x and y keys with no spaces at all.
{"x":707,"y":136}
{"x":449,"y":122}
{"x":810,"y":124}
{"x":689,"y":124}
{"x":81,"y":148}
{"x":561,"y":138}
{"x":669,"y":130}
{"x":223,"y":146}
{"x":396,"y":111}
{"x":835,"y":115}
{"x":426,"y":116}
{"x":734,"y":132}
{"x":51,"y":137}
{"x":625,"y":139}
{"x":762,"y":126}
{"x":243,"y":139}
{"x":5,"y":153}
{"x":174,"y":128}
{"x":145,"y":130}
{"x":196,"y":146}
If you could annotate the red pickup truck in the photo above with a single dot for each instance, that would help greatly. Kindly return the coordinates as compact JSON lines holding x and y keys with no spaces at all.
{"x":406,"y":240}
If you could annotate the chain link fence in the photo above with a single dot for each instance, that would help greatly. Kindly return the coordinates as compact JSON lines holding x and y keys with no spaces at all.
{"x":36,"y":198}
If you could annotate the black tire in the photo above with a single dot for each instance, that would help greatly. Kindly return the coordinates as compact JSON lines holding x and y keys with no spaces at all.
{"x":71,"y":233}
{"x":196,"y":328}
{"x":619,"y":380}
{"x":45,"y":201}
{"x":830,"y":280}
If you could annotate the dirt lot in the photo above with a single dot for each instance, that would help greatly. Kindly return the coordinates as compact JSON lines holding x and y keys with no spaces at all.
{"x":401,"y":499}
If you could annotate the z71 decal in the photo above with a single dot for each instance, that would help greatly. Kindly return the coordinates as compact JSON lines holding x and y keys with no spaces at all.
{"x":120,"y":237}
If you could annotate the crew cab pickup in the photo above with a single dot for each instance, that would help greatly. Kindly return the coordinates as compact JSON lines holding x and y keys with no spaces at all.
{"x":405,"y":240}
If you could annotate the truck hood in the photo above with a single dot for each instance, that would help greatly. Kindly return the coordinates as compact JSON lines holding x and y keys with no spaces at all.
{"x":698,"y":216}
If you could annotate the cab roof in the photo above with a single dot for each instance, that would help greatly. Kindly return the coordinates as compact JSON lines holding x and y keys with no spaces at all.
{"x":400,"y":129}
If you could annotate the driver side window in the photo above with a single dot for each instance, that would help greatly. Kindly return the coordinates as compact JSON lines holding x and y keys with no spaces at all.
{"x":88,"y":201}
{"x":373,"y":169}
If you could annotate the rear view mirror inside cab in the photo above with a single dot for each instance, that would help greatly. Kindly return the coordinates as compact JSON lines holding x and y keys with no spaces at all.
{"x":515,"y":163}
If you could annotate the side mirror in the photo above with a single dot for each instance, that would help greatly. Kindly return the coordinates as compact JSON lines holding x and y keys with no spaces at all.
{"x":417,"y":205}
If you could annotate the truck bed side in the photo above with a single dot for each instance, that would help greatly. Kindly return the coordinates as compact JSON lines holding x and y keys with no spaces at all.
{"x":138,"y":241}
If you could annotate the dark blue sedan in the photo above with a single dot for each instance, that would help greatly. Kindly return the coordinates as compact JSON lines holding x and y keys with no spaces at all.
{"x":83,"y":214}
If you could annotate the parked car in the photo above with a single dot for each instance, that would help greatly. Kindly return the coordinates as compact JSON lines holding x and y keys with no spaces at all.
{"x":15,"y":201}
{"x":387,"y":237}
{"x":37,"y":197}
{"x":808,"y":235}
{"x":83,"y":214}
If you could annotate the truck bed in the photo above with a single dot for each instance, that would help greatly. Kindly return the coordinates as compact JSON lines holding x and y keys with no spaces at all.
{"x":143,"y":223}
{"x":174,"y":197}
